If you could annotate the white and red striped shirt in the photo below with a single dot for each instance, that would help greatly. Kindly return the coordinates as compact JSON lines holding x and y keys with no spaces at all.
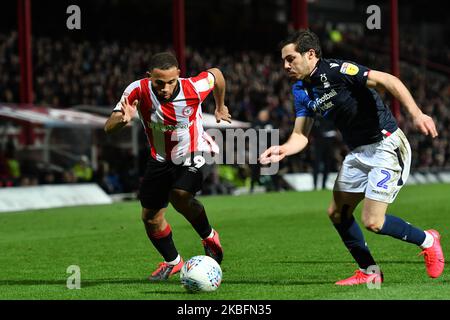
{"x":173,"y":128}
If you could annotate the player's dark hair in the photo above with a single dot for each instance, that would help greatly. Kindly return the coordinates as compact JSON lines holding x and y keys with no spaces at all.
{"x":304,"y":40}
{"x":163,"y":61}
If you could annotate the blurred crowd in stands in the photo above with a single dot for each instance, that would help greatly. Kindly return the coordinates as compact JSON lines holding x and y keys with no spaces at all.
{"x":86,"y":73}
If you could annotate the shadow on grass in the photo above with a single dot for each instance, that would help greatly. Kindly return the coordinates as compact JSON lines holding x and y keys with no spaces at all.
{"x":277,"y":282}
{"x":170,"y":292}
{"x":97,"y":282}
{"x":84,"y":282}
{"x":174,"y":283}
{"x":341,"y":262}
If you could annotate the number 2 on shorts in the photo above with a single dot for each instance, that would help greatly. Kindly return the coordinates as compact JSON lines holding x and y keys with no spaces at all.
{"x":382,"y":183}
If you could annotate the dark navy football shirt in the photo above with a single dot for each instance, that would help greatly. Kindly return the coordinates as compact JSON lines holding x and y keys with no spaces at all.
{"x":338,"y":92}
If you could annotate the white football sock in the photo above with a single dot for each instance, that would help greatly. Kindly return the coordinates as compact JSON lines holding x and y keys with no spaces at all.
{"x":366,"y":272}
{"x":174,"y":262}
{"x":371,"y":270}
{"x":428,"y":242}
{"x":363,"y":271}
{"x":211,"y":234}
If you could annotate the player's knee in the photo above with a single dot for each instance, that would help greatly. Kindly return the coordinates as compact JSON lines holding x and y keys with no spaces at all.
{"x":334,"y":214}
{"x":180,"y":199}
{"x":371,"y":224}
{"x":330,"y":210}
{"x":152,"y":217}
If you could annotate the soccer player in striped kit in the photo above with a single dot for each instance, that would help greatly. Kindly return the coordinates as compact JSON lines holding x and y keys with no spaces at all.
{"x":377,"y":166}
{"x":169,"y":108}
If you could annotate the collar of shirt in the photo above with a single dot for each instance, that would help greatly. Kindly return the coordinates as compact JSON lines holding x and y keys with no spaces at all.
{"x":315,"y":68}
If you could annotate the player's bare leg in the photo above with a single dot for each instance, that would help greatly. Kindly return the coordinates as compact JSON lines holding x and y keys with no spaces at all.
{"x":373,"y":214}
{"x":341,"y":214}
{"x":154,"y":220}
{"x":192,"y":209}
{"x":160,"y":234}
{"x":343,"y":204}
{"x":375,"y":219}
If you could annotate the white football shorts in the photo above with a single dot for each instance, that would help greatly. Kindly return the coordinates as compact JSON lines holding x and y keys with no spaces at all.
{"x":379,"y":169}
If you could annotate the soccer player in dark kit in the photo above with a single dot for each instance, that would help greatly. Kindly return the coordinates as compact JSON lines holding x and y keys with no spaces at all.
{"x":378,"y":163}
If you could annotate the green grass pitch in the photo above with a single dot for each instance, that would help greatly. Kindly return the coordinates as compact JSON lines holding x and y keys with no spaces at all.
{"x":277,"y":246}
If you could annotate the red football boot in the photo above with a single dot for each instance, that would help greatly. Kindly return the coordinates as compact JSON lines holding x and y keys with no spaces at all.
{"x":213,"y":248}
{"x":434,"y":257}
{"x":165,"y":270}
{"x":361,"y":278}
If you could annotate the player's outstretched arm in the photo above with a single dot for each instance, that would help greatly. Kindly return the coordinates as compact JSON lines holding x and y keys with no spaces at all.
{"x":118,"y":120}
{"x":296,"y":142}
{"x":395,"y":86}
{"x":221,"y":112}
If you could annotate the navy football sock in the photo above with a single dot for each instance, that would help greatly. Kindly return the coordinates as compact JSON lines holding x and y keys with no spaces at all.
{"x":353,"y":239}
{"x":400,"y":229}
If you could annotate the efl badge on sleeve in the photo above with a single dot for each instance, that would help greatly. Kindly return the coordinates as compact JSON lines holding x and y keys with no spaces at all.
{"x":349,"y":68}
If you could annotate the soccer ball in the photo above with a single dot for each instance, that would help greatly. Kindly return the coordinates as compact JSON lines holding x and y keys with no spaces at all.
{"x":201,"y":273}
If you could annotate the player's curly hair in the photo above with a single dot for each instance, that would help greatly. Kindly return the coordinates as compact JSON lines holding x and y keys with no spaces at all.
{"x":304,"y":40}
{"x":163,"y":61}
